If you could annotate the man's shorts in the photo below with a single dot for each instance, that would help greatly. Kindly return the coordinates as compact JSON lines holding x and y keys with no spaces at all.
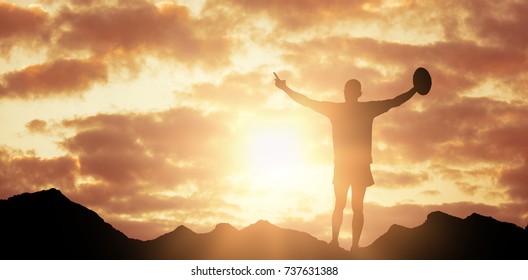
{"x":354,"y":174}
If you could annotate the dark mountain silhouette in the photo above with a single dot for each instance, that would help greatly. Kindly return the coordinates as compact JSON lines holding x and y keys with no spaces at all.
{"x":446,"y":237}
{"x":261,"y":240}
{"x":47,"y":225}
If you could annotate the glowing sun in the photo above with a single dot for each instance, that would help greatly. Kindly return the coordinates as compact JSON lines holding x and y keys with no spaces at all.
{"x":274,"y":156}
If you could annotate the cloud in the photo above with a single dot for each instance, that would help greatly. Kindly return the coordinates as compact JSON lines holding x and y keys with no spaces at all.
{"x":236,"y":92}
{"x":21,"y":25}
{"x":429,"y":193}
{"x":57,"y":78}
{"x":139,"y":28}
{"x":168,"y":166}
{"x":500,"y":25}
{"x":404,"y":179}
{"x":463,"y":131}
{"x":37,"y":126}
{"x":22,"y":172}
{"x":489,"y":22}
{"x":163,"y":148}
{"x":516,"y":179}
{"x":296,"y":15}
{"x":88,"y":41}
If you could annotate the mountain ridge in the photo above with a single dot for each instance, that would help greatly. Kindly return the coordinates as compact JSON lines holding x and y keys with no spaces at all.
{"x":47,"y":225}
{"x":443,"y":236}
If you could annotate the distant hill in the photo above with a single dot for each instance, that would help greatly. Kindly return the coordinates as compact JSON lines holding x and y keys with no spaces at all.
{"x":47,"y":225}
{"x":261,"y":240}
{"x":446,"y":237}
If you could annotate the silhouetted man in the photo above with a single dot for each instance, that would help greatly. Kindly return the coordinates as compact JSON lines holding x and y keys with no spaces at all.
{"x":352,"y":140}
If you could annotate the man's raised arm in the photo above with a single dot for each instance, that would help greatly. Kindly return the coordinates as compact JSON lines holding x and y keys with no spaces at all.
{"x":297,"y":97}
{"x":402,"y":98}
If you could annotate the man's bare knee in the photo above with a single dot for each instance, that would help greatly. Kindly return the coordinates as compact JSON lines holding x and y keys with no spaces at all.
{"x":357,"y":208}
{"x":340,"y":205}
{"x":358,"y":194}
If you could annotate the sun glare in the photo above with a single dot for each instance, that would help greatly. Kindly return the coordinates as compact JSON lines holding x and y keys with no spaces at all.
{"x":274,"y":156}
{"x":273,"y":147}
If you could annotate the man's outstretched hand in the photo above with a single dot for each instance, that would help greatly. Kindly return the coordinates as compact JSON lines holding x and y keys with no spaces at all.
{"x":281,"y":84}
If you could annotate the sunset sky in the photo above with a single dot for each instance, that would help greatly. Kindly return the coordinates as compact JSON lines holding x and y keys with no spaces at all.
{"x":156,"y":114}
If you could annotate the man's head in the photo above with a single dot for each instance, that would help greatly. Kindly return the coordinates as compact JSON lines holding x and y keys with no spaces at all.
{"x":352,"y":90}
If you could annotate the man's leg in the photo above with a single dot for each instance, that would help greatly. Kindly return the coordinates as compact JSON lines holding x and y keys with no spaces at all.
{"x":358,"y":194}
{"x":340,"y":191}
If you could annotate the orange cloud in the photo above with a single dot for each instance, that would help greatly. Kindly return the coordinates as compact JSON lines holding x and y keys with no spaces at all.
{"x":119,"y":35}
{"x":296,"y":15}
{"x":56,"y":78}
{"x":129,"y":148}
{"x":134,"y":28}
{"x":130,"y":158}
{"x":236,"y":91}
{"x":36,"y":126}
{"x":500,"y":24}
{"x":21,"y":25}
{"x":124,"y":164}
{"x":21,"y":172}
{"x":402,"y":179}
{"x":468,"y":129}
{"x":515,"y":179}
